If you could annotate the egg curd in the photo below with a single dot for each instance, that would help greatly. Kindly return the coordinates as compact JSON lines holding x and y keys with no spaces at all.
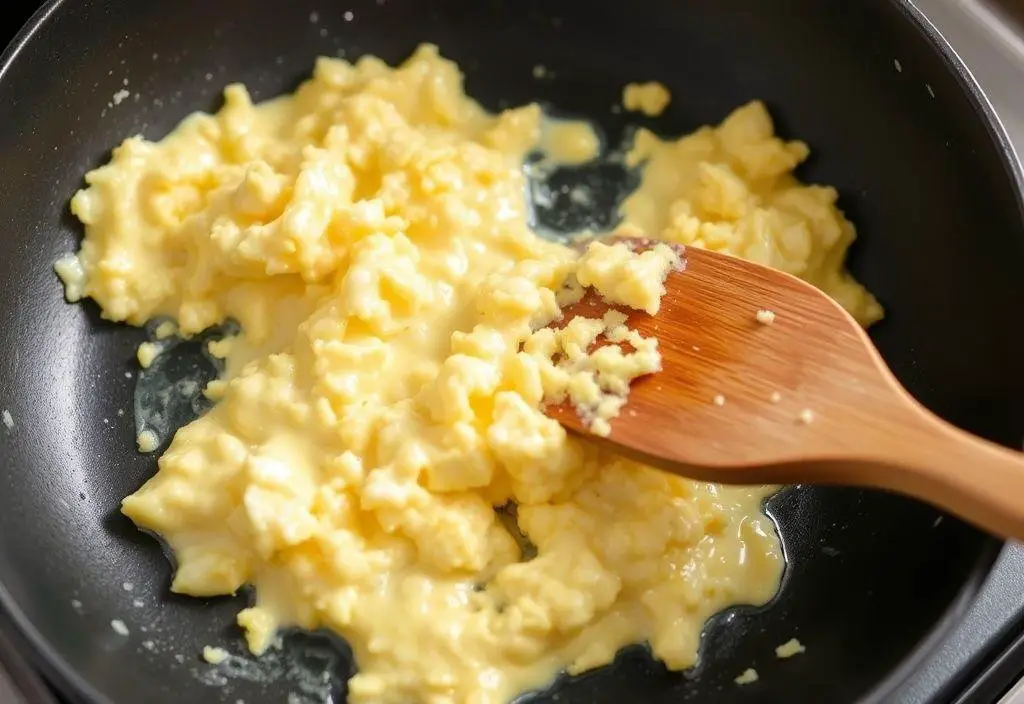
{"x":370,"y":235}
{"x":650,"y":98}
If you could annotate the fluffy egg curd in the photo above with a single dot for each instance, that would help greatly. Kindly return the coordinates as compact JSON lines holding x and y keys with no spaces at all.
{"x":370,"y":236}
{"x":650,"y":98}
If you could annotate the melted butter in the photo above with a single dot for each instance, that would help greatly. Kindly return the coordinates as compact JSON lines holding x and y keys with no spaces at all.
{"x":370,"y":236}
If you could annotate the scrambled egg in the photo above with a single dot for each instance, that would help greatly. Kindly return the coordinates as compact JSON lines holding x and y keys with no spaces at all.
{"x":731,"y":189}
{"x":790,"y":648}
{"x":650,"y":98}
{"x":627,"y":276}
{"x":369,"y":234}
{"x":748,"y":676}
{"x":574,"y":362}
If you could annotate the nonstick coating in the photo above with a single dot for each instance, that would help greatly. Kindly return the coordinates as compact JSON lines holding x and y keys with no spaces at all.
{"x":894,"y":123}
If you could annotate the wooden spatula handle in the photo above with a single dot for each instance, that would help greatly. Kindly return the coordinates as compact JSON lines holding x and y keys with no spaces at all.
{"x":963,"y":474}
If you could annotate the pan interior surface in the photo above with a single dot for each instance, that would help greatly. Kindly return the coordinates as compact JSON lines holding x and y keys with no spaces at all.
{"x":891,"y":125}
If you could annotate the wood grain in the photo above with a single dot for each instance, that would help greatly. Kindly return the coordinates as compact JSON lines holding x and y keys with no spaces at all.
{"x":864,"y":429}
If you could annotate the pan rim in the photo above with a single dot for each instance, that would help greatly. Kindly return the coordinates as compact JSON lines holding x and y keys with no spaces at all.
{"x":72,"y":685}
{"x":993,"y":547}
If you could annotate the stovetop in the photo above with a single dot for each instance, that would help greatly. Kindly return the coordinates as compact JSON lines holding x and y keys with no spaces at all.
{"x":982,"y":659}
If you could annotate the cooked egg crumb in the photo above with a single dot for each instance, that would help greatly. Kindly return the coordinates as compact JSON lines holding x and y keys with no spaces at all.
{"x":719,"y":400}
{"x":146,"y":353}
{"x":220,"y":348}
{"x":765,"y":317}
{"x":215,"y":656}
{"x":71,"y":274}
{"x":790,"y":648}
{"x":806,"y":417}
{"x":165,"y":329}
{"x":569,"y":143}
{"x":370,"y":236}
{"x":147,"y":441}
{"x":602,"y":426}
{"x":622,"y":275}
{"x":650,"y":98}
{"x":749,"y":676}
{"x":775,"y":397}
{"x":594,"y":378}
{"x":119,"y":627}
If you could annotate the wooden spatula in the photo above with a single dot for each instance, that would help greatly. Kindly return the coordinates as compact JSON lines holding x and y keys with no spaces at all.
{"x":797,"y":394}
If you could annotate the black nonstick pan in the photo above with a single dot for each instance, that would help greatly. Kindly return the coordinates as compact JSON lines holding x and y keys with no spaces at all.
{"x":894,"y":120}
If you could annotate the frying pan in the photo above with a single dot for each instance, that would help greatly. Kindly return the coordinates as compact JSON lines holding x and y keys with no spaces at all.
{"x":894,"y":119}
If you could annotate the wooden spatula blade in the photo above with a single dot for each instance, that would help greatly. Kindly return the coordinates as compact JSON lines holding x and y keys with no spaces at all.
{"x":756,"y":366}
{"x":767,"y":380}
